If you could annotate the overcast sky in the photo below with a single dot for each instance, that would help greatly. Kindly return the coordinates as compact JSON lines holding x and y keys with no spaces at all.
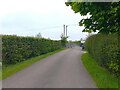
{"x":29,"y":17}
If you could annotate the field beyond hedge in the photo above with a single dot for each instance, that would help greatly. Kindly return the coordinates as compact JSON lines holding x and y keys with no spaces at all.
{"x":105,"y":50}
{"x":16,"y":49}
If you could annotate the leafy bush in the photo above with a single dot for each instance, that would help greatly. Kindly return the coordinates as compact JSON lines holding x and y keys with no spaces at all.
{"x":104,"y":49}
{"x":17,"y":49}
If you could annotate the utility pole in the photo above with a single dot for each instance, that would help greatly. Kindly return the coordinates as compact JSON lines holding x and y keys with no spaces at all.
{"x":66,"y":30}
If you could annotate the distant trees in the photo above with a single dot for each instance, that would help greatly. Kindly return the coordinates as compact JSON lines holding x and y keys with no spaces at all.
{"x":63,"y":40}
{"x":39,"y":35}
{"x":105,"y":16}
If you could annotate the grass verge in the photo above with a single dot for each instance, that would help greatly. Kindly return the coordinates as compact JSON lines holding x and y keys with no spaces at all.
{"x":11,"y":69}
{"x":102,"y":77}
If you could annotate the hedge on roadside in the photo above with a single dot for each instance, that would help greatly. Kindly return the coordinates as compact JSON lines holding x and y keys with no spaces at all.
{"x":17,"y":49}
{"x":104,"y":49}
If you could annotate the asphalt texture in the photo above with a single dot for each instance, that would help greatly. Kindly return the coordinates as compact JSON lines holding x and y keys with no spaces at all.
{"x":61,"y":70}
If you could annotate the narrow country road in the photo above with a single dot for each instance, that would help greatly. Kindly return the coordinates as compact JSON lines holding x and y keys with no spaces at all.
{"x":61,"y":70}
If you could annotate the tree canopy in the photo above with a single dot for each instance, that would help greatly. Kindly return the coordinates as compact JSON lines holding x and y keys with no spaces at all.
{"x":63,"y":40}
{"x":104,"y":16}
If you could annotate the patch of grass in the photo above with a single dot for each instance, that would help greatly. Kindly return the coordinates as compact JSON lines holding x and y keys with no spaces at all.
{"x":11,"y":69}
{"x":102,"y":77}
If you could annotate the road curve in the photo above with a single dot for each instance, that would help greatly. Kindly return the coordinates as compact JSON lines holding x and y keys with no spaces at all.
{"x":61,"y":70}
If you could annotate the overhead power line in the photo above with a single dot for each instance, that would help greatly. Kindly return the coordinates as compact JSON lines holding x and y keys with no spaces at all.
{"x":72,"y":25}
{"x":53,"y":27}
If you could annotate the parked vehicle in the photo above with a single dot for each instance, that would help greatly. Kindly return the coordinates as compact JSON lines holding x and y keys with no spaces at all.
{"x":82,"y":45}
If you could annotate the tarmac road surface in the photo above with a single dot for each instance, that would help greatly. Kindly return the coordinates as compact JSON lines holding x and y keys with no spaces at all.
{"x":61,"y":70}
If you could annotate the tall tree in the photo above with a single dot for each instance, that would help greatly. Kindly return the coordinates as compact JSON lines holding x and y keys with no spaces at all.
{"x":104,"y":16}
